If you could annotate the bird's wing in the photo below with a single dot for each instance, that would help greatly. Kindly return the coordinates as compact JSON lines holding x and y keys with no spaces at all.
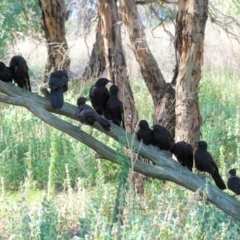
{"x":121,"y":107}
{"x":91,"y":92}
{"x":58,"y":81}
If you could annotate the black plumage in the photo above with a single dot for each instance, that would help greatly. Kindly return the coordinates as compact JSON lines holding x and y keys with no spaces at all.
{"x":144,"y":132}
{"x":87,"y":115}
{"x":58,"y":83}
{"x":5,"y":73}
{"x":99,"y":95}
{"x":162,"y":138}
{"x":205,"y":163}
{"x":114,"y":107}
{"x":233,"y":182}
{"x":19,"y":69}
{"x":184,"y":154}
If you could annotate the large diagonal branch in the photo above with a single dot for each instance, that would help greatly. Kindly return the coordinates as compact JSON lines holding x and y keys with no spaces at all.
{"x":165,"y":169}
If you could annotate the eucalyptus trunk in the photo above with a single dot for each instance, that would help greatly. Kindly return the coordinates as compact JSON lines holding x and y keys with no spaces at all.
{"x":96,"y":65}
{"x":162,"y":93}
{"x":115,"y":60}
{"x":190,"y":28}
{"x":53,"y":24}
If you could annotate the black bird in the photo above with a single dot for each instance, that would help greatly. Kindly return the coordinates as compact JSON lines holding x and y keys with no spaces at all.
{"x":99,"y":95}
{"x":19,"y":69}
{"x":5,"y":73}
{"x":233,"y":182}
{"x":114,"y":107}
{"x":58,"y":83}
{"x":145,"y":133}
{"x":87,"y":115}
{"x":184,"y":154}
{"x":205,"y":163}
{"x":162,"y":138}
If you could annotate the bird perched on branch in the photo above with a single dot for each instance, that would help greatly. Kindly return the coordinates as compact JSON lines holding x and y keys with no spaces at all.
{"x":144,"y":132}
{"x":233,"y":182}
{"x":19,"y":69}
{"x":162,"y":138}
{"x":87,"y":115}
{"x":5,"y":73}
{"x":184,"y":154}
{"x":99,"y":95}
{"x":58,"y":83}
{"x":114,"y":107}
{"x":205,"y":163}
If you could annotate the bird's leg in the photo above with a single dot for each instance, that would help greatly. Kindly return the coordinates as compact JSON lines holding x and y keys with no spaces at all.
{"x":199,"y":174}
{"x":45,"y":92}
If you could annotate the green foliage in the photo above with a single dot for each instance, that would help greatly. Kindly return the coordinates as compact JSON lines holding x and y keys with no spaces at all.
{"x":49,"y":222}
{"x":218,"y":98}
{"x":122,"y":185}
{"x":18,"y":18}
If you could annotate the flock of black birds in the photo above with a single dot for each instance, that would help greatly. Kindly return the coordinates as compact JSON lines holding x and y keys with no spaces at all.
{"x":160,"y":137}
{"x":107,"y":109}
{"x":17,"y":71}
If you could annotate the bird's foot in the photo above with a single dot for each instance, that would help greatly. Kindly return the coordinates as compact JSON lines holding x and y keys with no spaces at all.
{"x":45,"y":92}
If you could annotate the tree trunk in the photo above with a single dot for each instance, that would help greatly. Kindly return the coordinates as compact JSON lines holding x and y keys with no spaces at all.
{"x":117,"y":71}
{"x":191,"y":21}
{"x":96,"y":65}
{"x":115,"y":60}
{"x":162,"y":93}
{"x":53,"y":19}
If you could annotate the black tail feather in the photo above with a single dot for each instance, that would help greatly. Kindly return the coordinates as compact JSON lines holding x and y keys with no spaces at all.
{"x":218,"y":180}
{"x":104,"y":123}
{"x":57,"y":98}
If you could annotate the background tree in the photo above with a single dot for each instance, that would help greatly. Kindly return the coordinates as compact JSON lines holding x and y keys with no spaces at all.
{"x":25,"y":22}
{"x":190,"y":29}
{"x":115,"y":60}
{"x":53,"y":19}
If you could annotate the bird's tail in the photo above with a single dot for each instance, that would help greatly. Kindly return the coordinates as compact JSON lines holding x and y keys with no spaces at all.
{"x":218,"y":180}
{"x":104,"y":123}
{"x":57,"y":98}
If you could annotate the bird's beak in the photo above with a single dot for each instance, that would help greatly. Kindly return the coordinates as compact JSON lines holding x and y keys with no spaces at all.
{"x":110,"y":81}
{"x":196,"y":142}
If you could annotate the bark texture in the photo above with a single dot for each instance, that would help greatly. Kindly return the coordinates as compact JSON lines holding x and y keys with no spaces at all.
{"x":115,"y":60}
{"x":190,"y":28}
{"x":53,"y":23}
{"x":96,"y":65}
{"x":162,"y":93}
{"x":165,"y":169}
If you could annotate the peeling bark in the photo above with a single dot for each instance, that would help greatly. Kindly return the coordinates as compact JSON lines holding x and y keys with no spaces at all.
{"x":53,"y":23}
{"x":191,"y":22}
{"x":163,"y":95}
{"x":115,"y":60}
{"x":96,"y":65}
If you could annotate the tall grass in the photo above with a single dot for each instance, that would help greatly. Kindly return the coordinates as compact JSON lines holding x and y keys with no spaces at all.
{"x":65,"y":193}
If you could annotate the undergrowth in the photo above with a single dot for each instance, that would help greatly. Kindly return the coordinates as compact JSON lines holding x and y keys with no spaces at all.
{"x":53,"y":187}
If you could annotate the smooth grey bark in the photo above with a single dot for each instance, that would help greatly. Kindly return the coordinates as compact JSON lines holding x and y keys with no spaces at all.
{"x":165,"y":169}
